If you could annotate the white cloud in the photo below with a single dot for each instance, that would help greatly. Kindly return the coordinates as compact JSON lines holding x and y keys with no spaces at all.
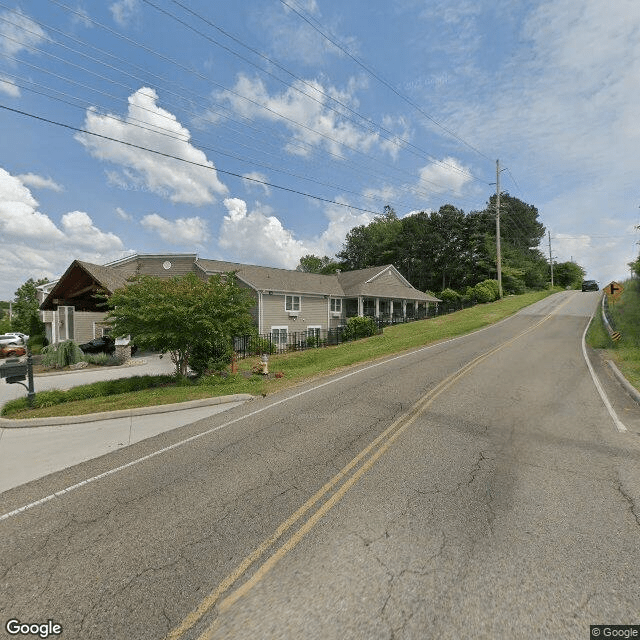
{"x":34,"y":246}
{"x":81,"y":232}
{"x":39,"y":182}
{"x":448,"y":175}
{"x":123,"y":215}
{"x":125,"y":11}
{"x":183,"y":231}
{"x":8,"y":86}
{"x":307,"y":118}
{"x":258,"y":237}
{"x":18,"y":32}
{"x":254,"y":180}
{"x":179,"y":181}
{"x":294,"y":39}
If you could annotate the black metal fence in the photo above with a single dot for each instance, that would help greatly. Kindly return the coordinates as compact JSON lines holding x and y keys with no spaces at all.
{"x":279,"y":342}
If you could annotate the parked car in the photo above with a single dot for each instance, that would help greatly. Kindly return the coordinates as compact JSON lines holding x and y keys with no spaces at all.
{"x":23,"y":336}
{"x":105,"y":344}
{"x":11,"y":350}
{"x":590,"y":285}
{"x":10,"y":338}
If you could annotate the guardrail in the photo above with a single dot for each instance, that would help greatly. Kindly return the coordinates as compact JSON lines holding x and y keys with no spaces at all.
{"x":613,"y":334}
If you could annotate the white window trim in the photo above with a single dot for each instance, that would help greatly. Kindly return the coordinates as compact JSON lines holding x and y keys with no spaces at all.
{"x":279,"y":328}
{"x":292,"y":297}
{"x":335,"y":302}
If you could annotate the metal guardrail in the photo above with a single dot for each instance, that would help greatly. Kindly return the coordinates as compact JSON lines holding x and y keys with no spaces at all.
{"x":606,"y":318}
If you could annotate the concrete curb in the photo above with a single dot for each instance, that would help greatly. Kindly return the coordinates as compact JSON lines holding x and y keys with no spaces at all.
{"x":629,"y":388}
{"x":122,"y":413}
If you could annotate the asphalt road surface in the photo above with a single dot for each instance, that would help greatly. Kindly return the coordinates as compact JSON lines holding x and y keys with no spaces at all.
{"x":479,"y":488}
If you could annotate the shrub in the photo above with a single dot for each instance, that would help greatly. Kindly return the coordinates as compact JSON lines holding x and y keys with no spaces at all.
{"x":62,"y":354}
{"x":359,"y":328}
{"x":483,"y":293}
{"x":449,"y":295}
{"x":213,"y":356}
{"x":493,"y":286}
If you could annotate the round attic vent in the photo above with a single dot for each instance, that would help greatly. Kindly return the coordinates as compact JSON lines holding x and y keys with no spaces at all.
{"x":166,"y":265}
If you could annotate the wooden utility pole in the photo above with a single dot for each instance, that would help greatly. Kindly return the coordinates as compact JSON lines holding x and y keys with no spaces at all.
{"x":498,"y":251}
{"x":550,"y":258}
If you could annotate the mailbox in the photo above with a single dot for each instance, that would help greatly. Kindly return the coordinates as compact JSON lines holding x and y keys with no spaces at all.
{"x":13,"y":370}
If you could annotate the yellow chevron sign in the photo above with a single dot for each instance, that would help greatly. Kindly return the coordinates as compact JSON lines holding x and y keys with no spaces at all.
{"x":615,"y":336}
{"x":614,"y":289}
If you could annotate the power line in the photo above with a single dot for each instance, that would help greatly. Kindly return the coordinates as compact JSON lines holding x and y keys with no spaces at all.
{"x":190,"y":162}
{"x":128,"y":88}
{"x":373,"y":125}
{"x":382,"y":80}
{"x":256,"y":103}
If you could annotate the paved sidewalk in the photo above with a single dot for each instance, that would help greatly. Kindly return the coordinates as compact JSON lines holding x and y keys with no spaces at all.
{"x":28,"y":453}
{"x":31,"y":449}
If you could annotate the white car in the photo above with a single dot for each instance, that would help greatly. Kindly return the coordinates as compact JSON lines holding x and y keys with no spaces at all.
{"x":13,"y":338}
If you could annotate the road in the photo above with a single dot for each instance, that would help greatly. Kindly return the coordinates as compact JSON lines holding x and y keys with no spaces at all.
{"x":479,"y":488}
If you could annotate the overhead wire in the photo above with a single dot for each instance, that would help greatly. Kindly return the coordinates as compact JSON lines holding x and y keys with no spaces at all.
{"x":373,"y":126}
{"x":142,"y":80}
{"x":381,"y":79}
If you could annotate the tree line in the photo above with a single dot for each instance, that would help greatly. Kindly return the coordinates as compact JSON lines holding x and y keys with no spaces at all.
{"x":449,"y":249}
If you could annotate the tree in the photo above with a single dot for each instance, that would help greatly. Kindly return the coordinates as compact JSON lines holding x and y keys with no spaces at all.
{"x":315,"y":264}
{"x":568,"y":275}
{"x":26,"y":311}
{"x":183,"y":315}
{"x":372,"y":245}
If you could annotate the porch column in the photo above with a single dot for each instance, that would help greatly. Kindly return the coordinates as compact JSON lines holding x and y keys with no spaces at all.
{"x":404,"y":309}
{"x":377,"y":307}
{"x":415,"y":309}
{"x":360,"y":306}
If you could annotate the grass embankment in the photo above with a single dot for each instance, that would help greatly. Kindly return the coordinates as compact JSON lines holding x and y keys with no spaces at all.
{"x":625,"y":318}
{"x":296,"y":367}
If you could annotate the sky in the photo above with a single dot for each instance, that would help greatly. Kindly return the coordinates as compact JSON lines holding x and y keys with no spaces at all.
{"x":264,"y":130}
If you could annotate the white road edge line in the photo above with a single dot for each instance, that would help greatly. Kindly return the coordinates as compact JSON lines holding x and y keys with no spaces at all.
{"x":614,"y":416}
{"x":244,"y":417}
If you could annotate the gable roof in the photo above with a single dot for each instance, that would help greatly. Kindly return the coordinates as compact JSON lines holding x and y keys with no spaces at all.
{"x":278,"y":280}
{"x":82,"y":280}
{"x":381,"y":282}
{"x":79,"y":284}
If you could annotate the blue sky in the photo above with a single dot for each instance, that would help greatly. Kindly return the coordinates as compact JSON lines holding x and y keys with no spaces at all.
{"x":412,"y":109}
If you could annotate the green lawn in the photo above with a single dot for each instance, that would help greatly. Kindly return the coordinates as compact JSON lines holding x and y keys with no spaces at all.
{"x":296,"y":367}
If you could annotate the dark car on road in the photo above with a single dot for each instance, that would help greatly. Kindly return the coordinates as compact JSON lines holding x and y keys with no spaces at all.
{"x":590,"y":285}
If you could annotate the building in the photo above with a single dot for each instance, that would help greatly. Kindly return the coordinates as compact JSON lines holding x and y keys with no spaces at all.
{"x":286,"y":300}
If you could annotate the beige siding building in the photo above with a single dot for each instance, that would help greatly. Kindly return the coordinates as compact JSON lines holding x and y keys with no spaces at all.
{"x":286,"y":301}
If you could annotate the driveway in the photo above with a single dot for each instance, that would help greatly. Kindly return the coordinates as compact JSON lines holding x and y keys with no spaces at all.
{"x":145,"y":364}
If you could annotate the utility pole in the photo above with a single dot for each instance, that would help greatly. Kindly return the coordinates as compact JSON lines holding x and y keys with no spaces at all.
{"x":498,"y":251}
{"x":550,"y":258}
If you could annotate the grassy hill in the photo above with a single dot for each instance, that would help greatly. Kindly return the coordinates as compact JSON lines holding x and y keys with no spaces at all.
{"x":625,"y":318}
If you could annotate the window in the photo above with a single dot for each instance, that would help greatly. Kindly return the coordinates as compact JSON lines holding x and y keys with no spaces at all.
{"x":313,"y":336}
{"x":279,"y":336}
{"x":292,"y":303}
{"x":336,"y":305}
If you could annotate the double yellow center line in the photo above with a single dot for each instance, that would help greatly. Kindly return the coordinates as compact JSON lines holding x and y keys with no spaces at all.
{"x":339,"y":485}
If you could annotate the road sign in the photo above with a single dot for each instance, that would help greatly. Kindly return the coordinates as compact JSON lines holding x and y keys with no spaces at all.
{"x":614,"y":289}
{"x":615,"y":336}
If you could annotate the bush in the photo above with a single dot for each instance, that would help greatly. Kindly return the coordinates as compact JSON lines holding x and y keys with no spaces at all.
{"x":359,"y":328}
{"x":493,"y":286}
{"x":482,"y":293}
{"x":213,"y":356}
{"x":62,"y":354}
{"x":449,"y":295}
